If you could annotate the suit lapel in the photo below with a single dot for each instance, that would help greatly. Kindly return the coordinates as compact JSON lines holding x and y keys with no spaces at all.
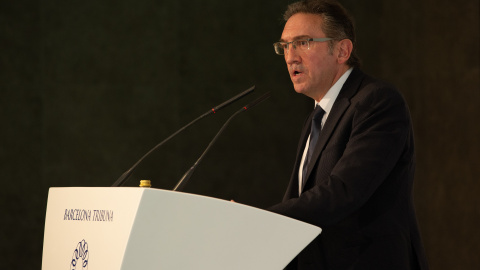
{"x":339,"y":107}
{"x":292,"y":190}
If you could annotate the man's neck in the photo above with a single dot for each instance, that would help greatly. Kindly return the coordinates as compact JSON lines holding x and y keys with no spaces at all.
{"x":339,"y":74}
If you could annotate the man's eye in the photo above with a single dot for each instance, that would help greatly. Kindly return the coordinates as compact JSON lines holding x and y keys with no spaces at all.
{"x":303,"y":43}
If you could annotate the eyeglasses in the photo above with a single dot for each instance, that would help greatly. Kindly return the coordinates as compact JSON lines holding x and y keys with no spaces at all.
{"x":301,"y":44}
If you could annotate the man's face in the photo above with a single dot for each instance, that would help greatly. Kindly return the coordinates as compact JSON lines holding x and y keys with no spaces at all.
{"x":315,"y":70}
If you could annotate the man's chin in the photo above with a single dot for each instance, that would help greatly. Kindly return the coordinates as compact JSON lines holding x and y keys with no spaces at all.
{"x":299,"y":89}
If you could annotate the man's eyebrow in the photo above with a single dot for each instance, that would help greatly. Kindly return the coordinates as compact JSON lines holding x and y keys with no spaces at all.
{"x":296,"y":38}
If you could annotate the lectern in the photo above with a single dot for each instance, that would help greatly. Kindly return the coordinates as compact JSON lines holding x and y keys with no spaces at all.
{"x":144,"y":228}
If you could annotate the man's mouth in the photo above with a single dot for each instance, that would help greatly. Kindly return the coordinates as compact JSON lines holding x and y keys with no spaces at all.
{"x":295,"y":70}
{"x":296,"y":73}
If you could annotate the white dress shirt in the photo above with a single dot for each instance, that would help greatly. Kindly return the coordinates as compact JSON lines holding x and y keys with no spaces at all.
{"x":326,"y":103}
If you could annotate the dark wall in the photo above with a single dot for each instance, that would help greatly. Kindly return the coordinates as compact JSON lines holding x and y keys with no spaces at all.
{"x":87,"y":88}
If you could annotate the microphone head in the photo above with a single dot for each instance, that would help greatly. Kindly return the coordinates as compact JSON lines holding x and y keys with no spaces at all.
{"x":258,"y":101}
{"x":233,"y":99}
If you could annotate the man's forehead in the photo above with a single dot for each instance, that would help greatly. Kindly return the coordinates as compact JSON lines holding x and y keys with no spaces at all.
{"x":302,"y":25}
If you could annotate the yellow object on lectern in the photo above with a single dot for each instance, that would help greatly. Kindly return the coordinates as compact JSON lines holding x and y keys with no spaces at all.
{"x":145,"y":183}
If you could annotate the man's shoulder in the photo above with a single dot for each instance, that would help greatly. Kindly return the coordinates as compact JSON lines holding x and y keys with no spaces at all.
{"x":365,"y":85}
{"x":364,"y":80}
{"x":364,"y":91}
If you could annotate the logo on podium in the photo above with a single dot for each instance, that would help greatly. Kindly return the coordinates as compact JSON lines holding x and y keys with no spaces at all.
{"x":80,"y":256}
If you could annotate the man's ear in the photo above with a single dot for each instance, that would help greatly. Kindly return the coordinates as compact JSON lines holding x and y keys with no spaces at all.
{"x":344,"y":50}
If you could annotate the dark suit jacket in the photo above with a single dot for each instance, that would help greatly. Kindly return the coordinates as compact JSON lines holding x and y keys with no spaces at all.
{"x":358,"y":186}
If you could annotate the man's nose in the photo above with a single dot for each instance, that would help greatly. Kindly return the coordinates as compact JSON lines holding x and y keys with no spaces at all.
{"x":292,"y":56}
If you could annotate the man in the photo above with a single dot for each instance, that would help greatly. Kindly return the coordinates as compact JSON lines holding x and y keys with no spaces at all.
{"x":355,"y":163}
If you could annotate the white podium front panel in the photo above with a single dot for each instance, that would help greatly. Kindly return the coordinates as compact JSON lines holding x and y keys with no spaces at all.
{"x":135,"y":228}
{"x":101,"y":217}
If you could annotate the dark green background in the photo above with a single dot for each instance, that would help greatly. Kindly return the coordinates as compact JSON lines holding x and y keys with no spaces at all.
{"x":86,"y":88}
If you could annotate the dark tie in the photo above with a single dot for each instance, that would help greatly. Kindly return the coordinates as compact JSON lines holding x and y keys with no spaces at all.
{"x":314,"y":135}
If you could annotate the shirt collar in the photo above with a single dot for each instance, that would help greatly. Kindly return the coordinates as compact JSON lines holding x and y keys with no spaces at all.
{"x":327,"y":101}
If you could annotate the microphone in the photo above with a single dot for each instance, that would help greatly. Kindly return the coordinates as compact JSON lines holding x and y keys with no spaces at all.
{"x":121,"y":180}
{"x":183,"y":181}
